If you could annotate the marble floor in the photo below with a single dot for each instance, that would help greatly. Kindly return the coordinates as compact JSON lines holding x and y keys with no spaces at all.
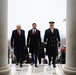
{"x":42,"y":69}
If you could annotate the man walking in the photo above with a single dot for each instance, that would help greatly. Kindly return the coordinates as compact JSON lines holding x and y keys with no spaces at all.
{"x":18,"y":42}
{"x":33,"y":41}
{"x":52,"y":38}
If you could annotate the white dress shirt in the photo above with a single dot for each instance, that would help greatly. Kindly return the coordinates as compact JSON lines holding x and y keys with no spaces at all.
{"x":34,"y":31}
{"x":52,"y":30}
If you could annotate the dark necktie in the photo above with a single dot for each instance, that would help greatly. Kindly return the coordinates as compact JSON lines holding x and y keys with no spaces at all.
{"x":34,"y":31}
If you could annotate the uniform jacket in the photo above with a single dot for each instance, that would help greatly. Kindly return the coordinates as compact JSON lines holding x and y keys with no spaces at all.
{"x":52,"y":40}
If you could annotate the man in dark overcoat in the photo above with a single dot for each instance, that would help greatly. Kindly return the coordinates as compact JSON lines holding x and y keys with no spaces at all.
{"x":33,"y":42}
{"x":18,"y":42}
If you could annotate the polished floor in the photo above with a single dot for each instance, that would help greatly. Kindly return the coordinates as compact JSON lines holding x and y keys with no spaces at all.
{"x":42,"y":69}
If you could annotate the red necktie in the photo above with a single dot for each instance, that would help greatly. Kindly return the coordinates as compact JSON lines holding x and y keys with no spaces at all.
{"x":19,"y":33}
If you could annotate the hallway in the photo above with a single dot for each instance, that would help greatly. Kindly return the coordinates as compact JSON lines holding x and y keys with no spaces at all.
{"x":68,"y":69}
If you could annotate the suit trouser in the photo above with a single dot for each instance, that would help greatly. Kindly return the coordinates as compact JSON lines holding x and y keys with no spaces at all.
{"x":54,"y":59}
{"x":34,"y":57}
{"x":39,"y":58}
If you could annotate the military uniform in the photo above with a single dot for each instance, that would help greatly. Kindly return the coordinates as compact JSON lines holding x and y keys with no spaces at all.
{"x":52,"y":39}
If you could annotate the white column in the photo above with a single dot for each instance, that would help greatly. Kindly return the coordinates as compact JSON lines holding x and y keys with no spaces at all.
{"x":70,"y":67}
{"x":4,"y":67}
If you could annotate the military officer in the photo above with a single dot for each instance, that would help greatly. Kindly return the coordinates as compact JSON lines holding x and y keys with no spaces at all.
{"x":52,"y":38}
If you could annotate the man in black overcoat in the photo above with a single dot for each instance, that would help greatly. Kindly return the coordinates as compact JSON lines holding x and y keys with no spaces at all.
{"x":18,"y":42}
{"x":33,"y":42}
{"x":52,"y":38}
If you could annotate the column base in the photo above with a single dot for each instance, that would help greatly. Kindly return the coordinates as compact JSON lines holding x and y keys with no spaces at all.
{"x":5,"y":71}
{"x":69,"y":70}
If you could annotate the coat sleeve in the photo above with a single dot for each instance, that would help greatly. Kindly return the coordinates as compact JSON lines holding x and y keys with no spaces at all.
{"x":24,"y":39}
{"x":12,"y":39}
{"x":40,"y":38}
{"x":58,"y":36}
{"x":28,"y":39}
{"x":45,"y":36}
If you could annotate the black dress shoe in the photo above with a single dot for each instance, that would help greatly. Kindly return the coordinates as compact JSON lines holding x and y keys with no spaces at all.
{"x":54,"y":66}
{"x":32,"y":63}
{"x":16,"y":63}
{"x":49,"y":64}
{"x":21,"y":65}
{"x":39,"y":62}
{"x":36,"y":66}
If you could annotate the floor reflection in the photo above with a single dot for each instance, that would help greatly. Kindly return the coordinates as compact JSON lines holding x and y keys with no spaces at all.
{"x":41,"y":70}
